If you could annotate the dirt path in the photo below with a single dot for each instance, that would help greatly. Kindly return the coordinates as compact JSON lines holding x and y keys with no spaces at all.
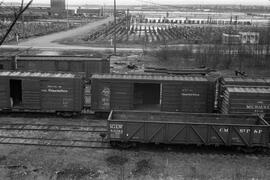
{"x":47,"y":40}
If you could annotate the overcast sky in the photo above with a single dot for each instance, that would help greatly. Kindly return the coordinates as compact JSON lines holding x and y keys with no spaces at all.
{"x":139,"y":2}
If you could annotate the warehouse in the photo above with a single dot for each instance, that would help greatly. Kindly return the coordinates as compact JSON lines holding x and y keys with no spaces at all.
{"x":152,"y":92}
{"x":56,"y":92}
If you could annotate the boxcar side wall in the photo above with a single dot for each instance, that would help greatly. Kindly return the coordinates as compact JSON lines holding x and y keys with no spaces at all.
{"x":4,"y":93}
{"x":89,"y":67}
{"x":176,"y":96}
{"x":6,"y":64}
{"x":122,"y":95}
{"x":188,"y":97}
{"x":44,"y":94}
{"x":61,"y":95}
{"x":107,"y":95}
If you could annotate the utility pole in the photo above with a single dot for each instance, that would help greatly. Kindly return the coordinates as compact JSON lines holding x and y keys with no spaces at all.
{"x":114,"y":34}
{"x":67,"y":16}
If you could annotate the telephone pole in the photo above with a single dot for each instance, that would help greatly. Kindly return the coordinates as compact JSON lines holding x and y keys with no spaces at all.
{"x":114,"y":34}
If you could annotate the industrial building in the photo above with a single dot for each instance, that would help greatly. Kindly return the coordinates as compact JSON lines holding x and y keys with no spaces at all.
{"x":58,"y":5}
{"x":241,"y":38}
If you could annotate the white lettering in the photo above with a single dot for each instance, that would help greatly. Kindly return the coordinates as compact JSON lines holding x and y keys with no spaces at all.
{"x":244,"y":131}
{"x":190,"y":94}
{"x":257,"y":131}
{"x":116,"y":126}
{"x":58,"y":90}
{"x":258,"y":106}
{"x":225,"y":130}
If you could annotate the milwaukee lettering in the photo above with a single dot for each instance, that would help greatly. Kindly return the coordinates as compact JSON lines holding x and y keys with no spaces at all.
{"x":258,"y":106}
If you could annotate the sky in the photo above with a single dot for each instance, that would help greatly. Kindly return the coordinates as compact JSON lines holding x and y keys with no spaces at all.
{"x":139,"y":2}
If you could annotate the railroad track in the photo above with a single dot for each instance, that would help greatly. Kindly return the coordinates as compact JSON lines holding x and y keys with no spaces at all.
{"x":27,"y":128}
{"x":52,"y":127}
{"x":53,"y":142}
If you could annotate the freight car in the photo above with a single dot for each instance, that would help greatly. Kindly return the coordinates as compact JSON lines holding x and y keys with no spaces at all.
{"x":225,"y":82}
{"x":75,"y":64}
{"x":244,"y":95}
{"x":6,"y":63}
{"x":41,"y":92}
{"x":128,"y":127}
{"x":152,"y":92}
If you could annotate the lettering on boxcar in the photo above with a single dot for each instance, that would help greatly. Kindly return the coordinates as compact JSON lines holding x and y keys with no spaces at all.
{"x":258,"y":106}
{"x":244,"y":131}
{"x":257,"y":131}
{"x":224,"y":130}
{"x":55,"y":89}
{"x":236,"y":139}
{"x":116,"y":130}
{"x":189,"y":92}
{"x":105,"y":98}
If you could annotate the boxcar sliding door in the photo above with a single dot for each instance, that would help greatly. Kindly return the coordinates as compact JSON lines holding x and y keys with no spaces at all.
{"x":31,"y":94}
{"x":4,"y":93}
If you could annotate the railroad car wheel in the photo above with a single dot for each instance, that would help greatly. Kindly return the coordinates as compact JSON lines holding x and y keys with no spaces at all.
{"x":248,"y":150}
{"x":121,"y":145}
{"x":124,"y":145}
{"x":65,"y":114}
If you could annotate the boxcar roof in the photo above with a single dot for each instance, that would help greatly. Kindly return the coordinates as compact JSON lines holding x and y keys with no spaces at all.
{"x":148,"y":77}
{"x":59,"y":58}
{"x":37,"y":74}
{"x":248,"y":90}
{"x":247,"y":79}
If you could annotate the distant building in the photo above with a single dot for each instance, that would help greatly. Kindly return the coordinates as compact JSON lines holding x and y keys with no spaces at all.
{"x":58,"y":5}
{"x":241,"y":38}
{"x":90,"y":12}
{"x":231,"y":38}
{"x":249,"y":37}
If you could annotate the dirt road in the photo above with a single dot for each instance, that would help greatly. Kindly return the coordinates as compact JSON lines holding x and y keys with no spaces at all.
{"x":47,"y":40}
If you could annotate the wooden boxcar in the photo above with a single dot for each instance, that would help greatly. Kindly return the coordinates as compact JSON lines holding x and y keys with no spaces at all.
{"x":246,"y":100}
{"x":35,"y":91}
{"x":6,"y":63}
{"x":240,"y":82}
{"x":186,"y":128}
{"x":75,"y":64}
{"x":152,"y":92}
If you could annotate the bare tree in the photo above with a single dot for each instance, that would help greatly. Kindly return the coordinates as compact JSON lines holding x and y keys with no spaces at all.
{"x":17,"y":16}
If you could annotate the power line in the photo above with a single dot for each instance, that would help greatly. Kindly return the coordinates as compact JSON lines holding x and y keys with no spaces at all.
{"x":157,"y":4}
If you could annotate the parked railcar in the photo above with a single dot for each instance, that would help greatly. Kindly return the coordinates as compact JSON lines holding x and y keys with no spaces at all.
{"x":127,"y":127}
{"x":41,"y":92}
{"x":75,"y":64}
{"x":6,"y":63}
{"x":225,"y":82}
{"x":246,"y":100}
{"x":152,"y":92}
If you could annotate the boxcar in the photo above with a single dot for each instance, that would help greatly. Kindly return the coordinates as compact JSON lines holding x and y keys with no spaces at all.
{"x":75,"y":64}
{"x":241,"y":82}
{"x":185,"y":128}
{"x":6,"y":63}
{"x":152,"y":92}
{"x":45,"y":92}
{"x":246,"y":100}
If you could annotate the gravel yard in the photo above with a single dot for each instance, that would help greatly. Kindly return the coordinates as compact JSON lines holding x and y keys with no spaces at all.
{"x":28,"y":162}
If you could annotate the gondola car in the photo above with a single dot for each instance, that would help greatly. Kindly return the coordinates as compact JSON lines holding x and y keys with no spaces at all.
{"x":126,"y":128}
